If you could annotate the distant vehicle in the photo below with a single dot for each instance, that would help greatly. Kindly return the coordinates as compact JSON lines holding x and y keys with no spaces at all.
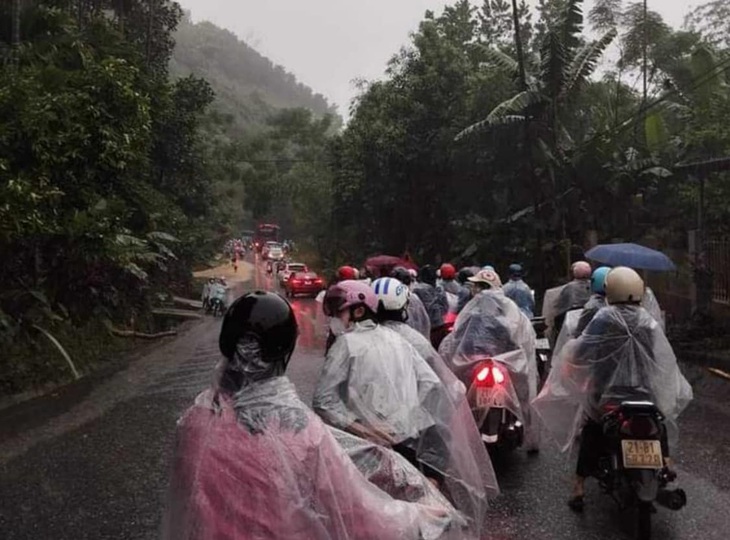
{"x":276,"y":253}
{"x":267,"y":247}
{"x":265,"y":232}
{"x":308,"y":283}
{"x":289,"y":269}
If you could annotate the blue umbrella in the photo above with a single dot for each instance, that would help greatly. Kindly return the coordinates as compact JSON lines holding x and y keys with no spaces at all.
{"x":631,"y":255}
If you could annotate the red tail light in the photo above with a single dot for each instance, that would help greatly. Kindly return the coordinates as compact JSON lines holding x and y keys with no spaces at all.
{"x":297,"y":281}
{"x":489,"y":374}
{"x":640,"y":426}
{"x":483,"y":374}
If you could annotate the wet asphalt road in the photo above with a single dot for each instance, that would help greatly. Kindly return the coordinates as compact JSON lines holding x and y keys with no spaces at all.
{"x":91,"y":461}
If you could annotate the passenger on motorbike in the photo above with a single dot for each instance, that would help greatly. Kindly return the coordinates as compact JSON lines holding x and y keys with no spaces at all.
{"x":253,"y":462}
{"x":417,"y":314}
{"x":375,"y":385}
{"x":624,"y":348}
{"x":466,"y":287}
{"x":218,"y":292}
{"x":519,"y":292}
{"x":491,"y":325}
{"x":435,"y":300}
{"x":596,"y":301}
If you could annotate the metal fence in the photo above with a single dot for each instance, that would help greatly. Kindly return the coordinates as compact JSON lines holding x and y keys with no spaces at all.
{"x":718,"y":261}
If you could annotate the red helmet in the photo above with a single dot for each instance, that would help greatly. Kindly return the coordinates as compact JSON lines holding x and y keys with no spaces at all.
{"x":448,"y":271}
{"x":346,"y":272}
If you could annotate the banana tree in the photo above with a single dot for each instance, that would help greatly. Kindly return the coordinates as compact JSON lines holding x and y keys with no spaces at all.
{"x":545,"y":106}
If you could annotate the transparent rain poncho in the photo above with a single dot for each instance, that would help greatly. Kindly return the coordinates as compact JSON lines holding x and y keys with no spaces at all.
{"x":259,"y":465}
{"x":489,"y":326}
{"x":375,"y":378}
{"x":623,"y":351}
{"x":520,"y":293}
{"x":651,"y":304}
{"x":418,"y":316}
{"x":569,"y":330}
{"x":435,"y":301}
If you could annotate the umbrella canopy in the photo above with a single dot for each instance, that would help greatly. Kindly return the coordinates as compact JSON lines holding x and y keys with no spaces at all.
{"x":382,"y":265}
{"x":631,"y":255}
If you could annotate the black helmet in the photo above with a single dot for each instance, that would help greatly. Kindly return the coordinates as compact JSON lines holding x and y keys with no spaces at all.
{"x":464,"y":274}
{"x":428,"y":275}
{"x":266,"y":317}
{"x":402,"y":274}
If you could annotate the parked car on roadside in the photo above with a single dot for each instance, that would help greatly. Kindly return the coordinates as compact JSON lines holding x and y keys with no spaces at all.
{"x":308,"y":283}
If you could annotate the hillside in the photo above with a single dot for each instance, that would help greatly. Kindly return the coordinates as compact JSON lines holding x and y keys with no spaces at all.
{"x":248,"y":85}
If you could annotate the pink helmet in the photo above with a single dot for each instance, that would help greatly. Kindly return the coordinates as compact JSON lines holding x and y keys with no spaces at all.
{"x":581,"y":270}
{"x":346,"y":294}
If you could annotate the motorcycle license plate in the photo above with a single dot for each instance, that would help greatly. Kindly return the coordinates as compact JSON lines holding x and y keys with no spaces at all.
{"x":642,"y":454}
{"x":307,"y":282}
{"x":489,"y":399}
{"x":542,"y":344}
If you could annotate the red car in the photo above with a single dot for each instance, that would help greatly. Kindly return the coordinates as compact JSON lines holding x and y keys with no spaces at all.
{"x":303,"y":283}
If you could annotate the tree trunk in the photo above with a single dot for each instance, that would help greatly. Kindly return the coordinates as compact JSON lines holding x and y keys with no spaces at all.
{"x":15,"y":33}
{"x":518,"y":46}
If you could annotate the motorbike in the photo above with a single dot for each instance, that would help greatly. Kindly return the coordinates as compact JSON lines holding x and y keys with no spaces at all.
{"x":543,"y":351}
{"x":495,"y":405}
{"x":632,"y":469}
{"x":216,"y":307}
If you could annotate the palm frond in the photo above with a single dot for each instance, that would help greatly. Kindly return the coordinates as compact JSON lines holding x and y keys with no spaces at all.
{"x":499,"y":59}
{"x":553,"y":64}
{"x":585,"y":62}
{"x":516,"y":105}
{"x":487,"y":125}
{"x":571,"y":25}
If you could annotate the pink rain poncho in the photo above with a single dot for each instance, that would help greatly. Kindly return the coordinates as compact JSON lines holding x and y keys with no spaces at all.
{"x":261,"y":466}
{"x":489,"y":326}
{"x":622,"y":353}
{"x":374,"y":377}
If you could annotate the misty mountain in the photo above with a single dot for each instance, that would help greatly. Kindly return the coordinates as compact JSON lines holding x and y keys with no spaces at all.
{"x":248,"y":85}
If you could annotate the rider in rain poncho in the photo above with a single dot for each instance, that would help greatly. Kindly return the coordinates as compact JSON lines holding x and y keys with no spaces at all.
{"x":573,"y":295}
{"x":417,"y":314}
{"x":622,"y":351}
{"x":435,"y":300}
{"x":375,"y":385}
{"x":491,"y":325}
{"x":519,"y":292}
{"x":253,"y":462}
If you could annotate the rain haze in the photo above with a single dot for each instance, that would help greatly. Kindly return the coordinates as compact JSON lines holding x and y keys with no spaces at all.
{"x":329,"y":44}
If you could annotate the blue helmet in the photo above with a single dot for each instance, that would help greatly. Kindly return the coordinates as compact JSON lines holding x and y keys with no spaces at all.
{"x":515,"y":270}
{"x":598,"y":280}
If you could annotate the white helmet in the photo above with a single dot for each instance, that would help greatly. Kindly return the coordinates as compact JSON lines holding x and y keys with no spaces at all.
{"x":624,"y":286}
{"x":391,"y":293}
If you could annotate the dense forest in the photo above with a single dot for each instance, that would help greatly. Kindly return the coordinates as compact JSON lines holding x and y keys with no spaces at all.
{"x":248,"y":86}
{"x":118,"y":174}
{"x":124,"y":161}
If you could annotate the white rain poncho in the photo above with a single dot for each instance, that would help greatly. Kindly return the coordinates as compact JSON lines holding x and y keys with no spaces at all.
{"x":651,"y":304}
{"x":374,"y":377}
{"x":569,"y":329}
{"x":435,"y":301}
{"x":261,"y":466}
{"x":593,"y":306}
{"x":520,"y":293}
{"x":435,"y":362}
{"x":623,"y":351}
{"x":560,"y":300}
{"x":418,"y":316}
{"x":491,"y":325}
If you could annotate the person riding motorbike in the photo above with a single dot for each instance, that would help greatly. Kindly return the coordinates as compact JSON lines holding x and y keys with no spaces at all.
{"x":573,"y":295}
{"x":622,"y":350}
{"x":491,"y":325}
{"x":218,"y":291}
{"x":596,"y":301}
{"x":253,"y":462}
{"x":466,"y":287}
{"x":375,"y":385}
{"x":519,"y":292}
{"x":206,"y":292}
{"x":393,"y":298}
{"x":435,"y":300}
{"x":417,"y":314}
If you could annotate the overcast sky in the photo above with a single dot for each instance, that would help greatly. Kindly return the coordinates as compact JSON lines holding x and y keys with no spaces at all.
{"x":329,"y":43}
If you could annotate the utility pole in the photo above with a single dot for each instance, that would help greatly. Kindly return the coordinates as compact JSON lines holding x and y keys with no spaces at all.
{"x":646,"y":53}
